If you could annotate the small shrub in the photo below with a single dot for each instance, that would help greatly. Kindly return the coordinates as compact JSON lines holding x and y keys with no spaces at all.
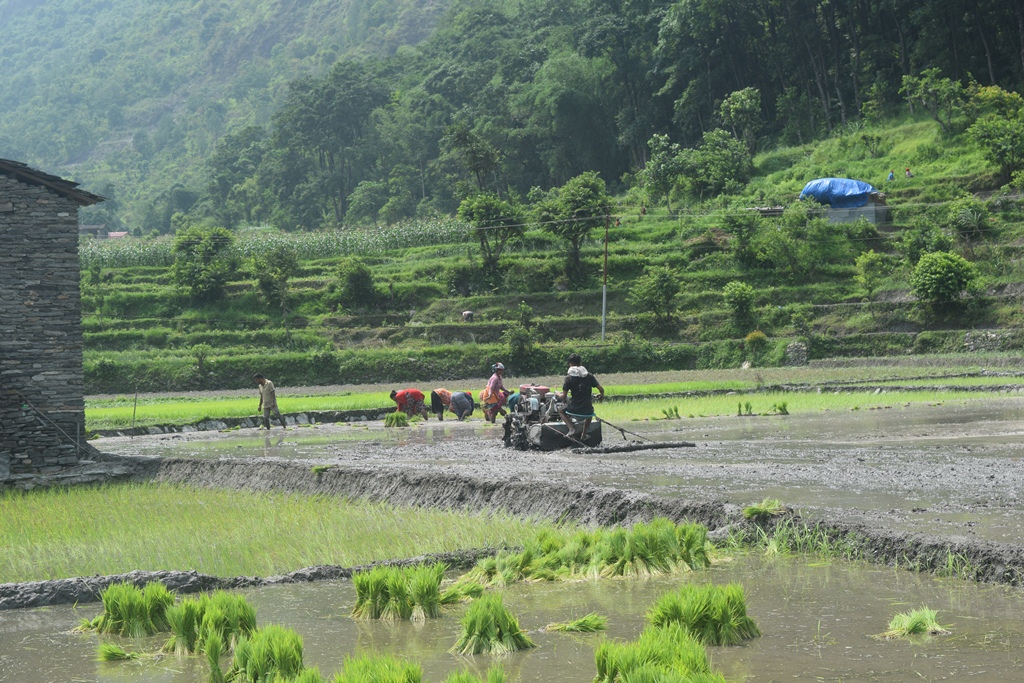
{"x":739,"y":297}
{"x":756,"y":342}
{"x":915,"y":622}
{"x":488,"y":627}
{"x":714,"y":615}
{"x":941,"y":279}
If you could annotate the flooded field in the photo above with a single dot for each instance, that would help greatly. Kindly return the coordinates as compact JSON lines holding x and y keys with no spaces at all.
{"x":817,"y":622}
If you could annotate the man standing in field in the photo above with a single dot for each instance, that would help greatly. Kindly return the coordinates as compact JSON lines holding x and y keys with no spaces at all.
{"x":268,"y":401}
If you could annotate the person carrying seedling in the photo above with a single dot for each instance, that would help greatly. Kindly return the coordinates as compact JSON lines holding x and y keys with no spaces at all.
{"x":410,"y":402}
{"x":576,"y":391}
{"x":462,"y":405}
{"x":268,"y":401}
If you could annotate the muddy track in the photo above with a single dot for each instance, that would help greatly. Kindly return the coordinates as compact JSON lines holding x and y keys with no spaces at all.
{"x":519,"y":495}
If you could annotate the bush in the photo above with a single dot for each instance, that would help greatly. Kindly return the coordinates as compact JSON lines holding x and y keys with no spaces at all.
{"x":756,"y":342}
{"x":942,"y":278}
{"x":739,"y":297}
{"x":204,"y":262}
{"x":656,"y":291}
{"x":354,"y":288}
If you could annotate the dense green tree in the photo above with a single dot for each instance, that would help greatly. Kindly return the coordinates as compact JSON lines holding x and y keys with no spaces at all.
{"x":272,"y":271}
{"x":354,"y":289}
{"x":656,"y":291}
{"x":942,"y":278}
{"x":203,"y":262}
{"x":571,"y":212}
{"x":662,"y":172}
{"x":496,"y":223}
{"x":722,"y":162}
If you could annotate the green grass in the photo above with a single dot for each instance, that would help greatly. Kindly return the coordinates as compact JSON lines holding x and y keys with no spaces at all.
{"x":59,"y":533}
{"x":916,"y":622}
{"x":588,"y":623}
{"x":796,"y":402}
{"x":714,"y":615}
{"x":489,"y":627}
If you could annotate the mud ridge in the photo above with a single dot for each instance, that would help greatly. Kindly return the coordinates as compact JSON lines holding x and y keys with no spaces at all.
{"x":88,"y":589}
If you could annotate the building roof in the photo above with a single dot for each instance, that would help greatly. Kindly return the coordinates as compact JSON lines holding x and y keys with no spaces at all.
{"x":64,"y":188}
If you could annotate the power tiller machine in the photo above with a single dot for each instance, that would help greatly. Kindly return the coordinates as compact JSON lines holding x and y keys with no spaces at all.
{"x":534,"y":422}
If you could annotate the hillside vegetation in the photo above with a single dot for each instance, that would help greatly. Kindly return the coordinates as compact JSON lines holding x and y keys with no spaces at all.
{"x":708,"y":286}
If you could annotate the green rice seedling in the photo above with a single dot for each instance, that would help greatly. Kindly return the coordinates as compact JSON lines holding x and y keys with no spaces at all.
{"x":183,"y":620}
{"x":109,"y":652}
{"x":158,"y":599}
{"x":715,"y":615}
{"x":763,"y":511}
{"x":781,"y":408}
{"x":462,"y":590}
{"x":214,"y":647}
{"x":378,"y":669}
{"x":425,"y":590}
{"x":495,"y":674}
{"x":670,"y":413}
{"x":488,"y":627}
{"x":589,"y":623}
{"x":916,"y":622}
{"x":397,"y":603}
{"x":693,"y":546}
{"x":312,"y":675}
{"x":749,"y":408}
{"x":645,"y":549}
{"x":669,"y":651}
{"x":396,"y":420}
{"x":320,"y":469}
{"x":125,"y":612}
{"x":270,"y":652}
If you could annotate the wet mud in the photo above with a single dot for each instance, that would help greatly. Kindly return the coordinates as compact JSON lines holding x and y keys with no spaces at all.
{"x":912,"y":486}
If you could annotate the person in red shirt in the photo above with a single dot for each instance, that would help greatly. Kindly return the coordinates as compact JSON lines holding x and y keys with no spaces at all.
{"x":410,"y":402}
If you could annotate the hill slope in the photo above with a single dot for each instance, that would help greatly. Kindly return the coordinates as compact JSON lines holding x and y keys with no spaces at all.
{"x":130,"y":96}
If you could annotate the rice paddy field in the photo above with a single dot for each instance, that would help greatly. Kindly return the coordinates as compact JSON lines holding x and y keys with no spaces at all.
{"x":60,"y":533}
{"x":945,"y":373}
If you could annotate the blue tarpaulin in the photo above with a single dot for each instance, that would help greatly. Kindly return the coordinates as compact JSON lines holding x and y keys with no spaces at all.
{"x":839,"y":193}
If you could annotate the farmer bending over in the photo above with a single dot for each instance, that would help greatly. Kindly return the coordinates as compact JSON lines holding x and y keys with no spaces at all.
{"x":578,"y":383}
{"x":410,"y":402}
{"x":268,"y":400}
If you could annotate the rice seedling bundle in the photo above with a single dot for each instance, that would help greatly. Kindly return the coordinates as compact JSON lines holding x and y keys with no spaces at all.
{"x":270,"y":652}
{"x":214,"y":647}
{"x":396,"y":420}
{"x":657,"y":547}
{"x":425,"y":590}
{"x":109,"y":652}
{"x":763,"y":511}
{"x":192,"y":621}
{"x":916,"y":622}
{"x":715,"y":615}
{"x":378,"y":669}
{"x":659,"y":654}
{"x":589,"y":623}
{"x":131,"y":611}
{"x":462,"y":590}
{"x":495,"y":674}
{"x":489,"y":627}
{"x":399,"y":593}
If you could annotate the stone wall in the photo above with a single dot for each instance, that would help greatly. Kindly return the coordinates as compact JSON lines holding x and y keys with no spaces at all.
{"x":42,"y":416}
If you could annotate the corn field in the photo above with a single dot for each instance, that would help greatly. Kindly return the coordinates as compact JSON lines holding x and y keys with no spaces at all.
{"x":129,"y":253}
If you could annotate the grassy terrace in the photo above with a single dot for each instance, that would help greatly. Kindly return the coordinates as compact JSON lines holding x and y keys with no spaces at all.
{"x":61,"y":533}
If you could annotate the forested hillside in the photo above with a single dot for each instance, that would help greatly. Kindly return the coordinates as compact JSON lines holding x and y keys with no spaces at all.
{"x":309,"y":115}
{"x":130,"y":97}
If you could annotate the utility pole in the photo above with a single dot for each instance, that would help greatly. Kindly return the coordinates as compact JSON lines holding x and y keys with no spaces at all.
{"x":604,"y":289}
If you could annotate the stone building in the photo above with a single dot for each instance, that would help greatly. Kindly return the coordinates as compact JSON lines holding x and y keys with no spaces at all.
{"x":42,"y":415}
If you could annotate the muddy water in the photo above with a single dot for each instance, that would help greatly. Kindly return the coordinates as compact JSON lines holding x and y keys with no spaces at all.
{"x":817,"y":622}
